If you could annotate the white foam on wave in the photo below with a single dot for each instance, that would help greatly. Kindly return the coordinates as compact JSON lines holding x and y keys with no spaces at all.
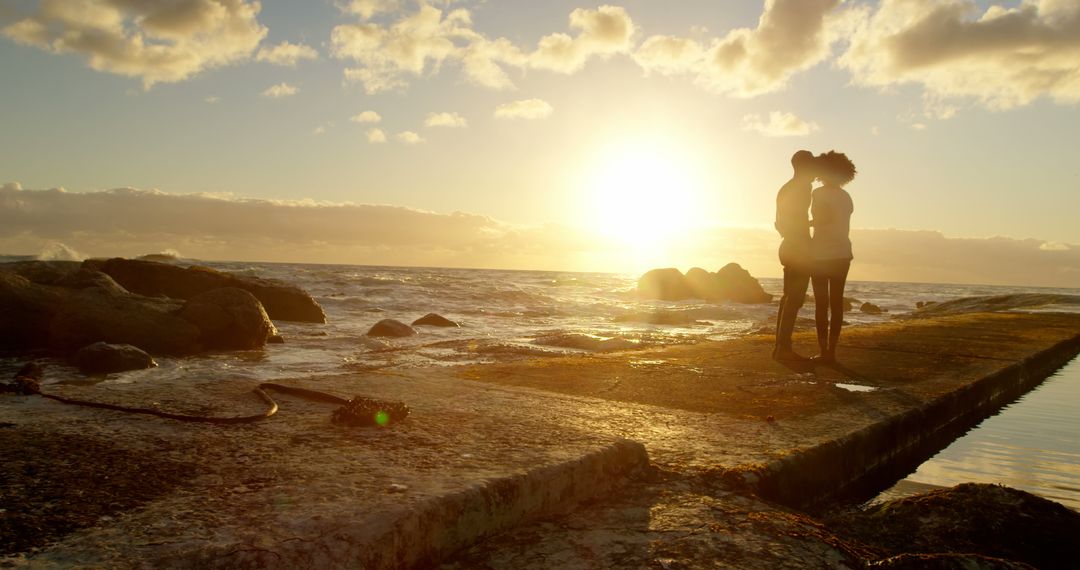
{"x":56,"y":251}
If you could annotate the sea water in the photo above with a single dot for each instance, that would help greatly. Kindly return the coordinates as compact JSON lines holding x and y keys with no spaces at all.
{"x":508,"y":315}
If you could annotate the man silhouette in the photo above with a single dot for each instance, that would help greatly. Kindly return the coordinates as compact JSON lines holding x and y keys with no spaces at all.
{"x":793,"y":223}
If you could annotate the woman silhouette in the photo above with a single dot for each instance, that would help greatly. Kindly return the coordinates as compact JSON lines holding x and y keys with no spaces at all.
{"x":831,"y":246}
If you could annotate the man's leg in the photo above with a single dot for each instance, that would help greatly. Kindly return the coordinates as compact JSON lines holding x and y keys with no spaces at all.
{"x":795,"y":282}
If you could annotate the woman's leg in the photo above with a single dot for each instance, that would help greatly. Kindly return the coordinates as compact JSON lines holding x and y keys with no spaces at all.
{"x":821,"y":310}
{"x":838,"y":279}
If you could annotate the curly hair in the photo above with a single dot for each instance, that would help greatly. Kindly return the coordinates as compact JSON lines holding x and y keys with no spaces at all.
{"x":835,"y":168}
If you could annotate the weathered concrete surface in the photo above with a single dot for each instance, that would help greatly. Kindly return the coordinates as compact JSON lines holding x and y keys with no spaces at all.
{"x":753,"y":425}
{"x":296,"y":491}
{"x":717,"y":420}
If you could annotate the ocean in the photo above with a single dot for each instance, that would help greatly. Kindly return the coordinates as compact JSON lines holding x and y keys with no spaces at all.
{"x":508,"y":315}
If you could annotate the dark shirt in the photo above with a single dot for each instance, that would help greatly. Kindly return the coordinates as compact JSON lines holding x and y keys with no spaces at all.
{"x":793,"y":210}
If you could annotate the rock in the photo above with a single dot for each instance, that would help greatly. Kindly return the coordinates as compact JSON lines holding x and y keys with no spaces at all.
{"x":41,"y":272}
{"x":391,"y":328}
{"x":228,"y":318}
{"x":275,"y":339}
{"x":946,"y":561}
{"x":736,"y":284}
{"x":925,"y":304}
{"x":849,"y":304}
{"x":665,"y":284}
{"x":103,"y":358}
{"x":85,"y":278}
{"x":89,"y":315}
{"x":26,"y":309}
{"x":31,"y":370}
{"x":989,"y":520}
{"x":871,"y":309}
{"x":280,"y":300}
{"x":704,"y":284}
{"x":434,"y":320}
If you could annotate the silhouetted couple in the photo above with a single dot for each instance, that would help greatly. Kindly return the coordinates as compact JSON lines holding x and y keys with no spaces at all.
{"x":823,"y":256}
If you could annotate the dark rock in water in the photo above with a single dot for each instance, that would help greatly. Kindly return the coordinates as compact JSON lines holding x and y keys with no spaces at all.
{"x":367,"y":412}
{"x":228,"y":318}
{"x":731,"y":283}
{"x":391,"y":328}
{"x":736,"y":284}
{"x":275,"y":339}
{"x":704,"y":284}
{"x":86,"y":278}
{"x":665,"y":284}
{"x":280,"y":300}
{"x":26,"y":309}
{"x":849,"y":304}
{"x":871,"y":309}
{"x":103,"y":358}
{"x":157,"y":257}
{"x":41,"y":272}
{"x":989,"y":520}
{"x":434,"y":320}
{"x":88,"y":316}
{"x":925,"y":304}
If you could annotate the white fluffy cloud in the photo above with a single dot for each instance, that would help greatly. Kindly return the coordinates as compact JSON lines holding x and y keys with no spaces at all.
{"x":452,"y":120}
{"x":602,"y":32}
{"x":530,"y":109}
{"x":779,"y":124}
{"x":157,"y":42}
{"x":286,"y":54}
{"x":791,"y":36}
{"x":376,"y":136}
{"x":366,"y":117}
{"x":280,"y":91}
{"x":421,"y":42}
{"x":409,"y":137}
{"x":1000,"y":57}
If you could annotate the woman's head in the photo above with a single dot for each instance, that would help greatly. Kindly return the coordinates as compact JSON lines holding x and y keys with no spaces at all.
{"x":835,"y":168}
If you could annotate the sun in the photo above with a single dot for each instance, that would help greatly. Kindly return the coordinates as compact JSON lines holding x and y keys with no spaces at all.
{"x":644,"y":194}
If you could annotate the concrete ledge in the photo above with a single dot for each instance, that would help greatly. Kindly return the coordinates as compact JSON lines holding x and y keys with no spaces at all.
{"x":440,"y":526}
{"x":867,"y":459}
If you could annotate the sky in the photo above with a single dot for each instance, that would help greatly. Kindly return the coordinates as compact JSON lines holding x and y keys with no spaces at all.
{"x":563,"y":135}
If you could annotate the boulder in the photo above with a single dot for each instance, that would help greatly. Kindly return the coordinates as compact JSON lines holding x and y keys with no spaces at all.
{"x":391,"y":328}
{"x":90,"y":315}
{"x":103,"y":358}
{"x":703,"y":284}
{"x":736,"y":284}
{"x":228,"y":318}
{"x":871,"y":309}
{"x":434,"y":320}
{"x":41,"y":272}
{"x":667,"y":284}
{"x":85,"y":278}
{"x":280,"y":300}
{"x":26,"y":309}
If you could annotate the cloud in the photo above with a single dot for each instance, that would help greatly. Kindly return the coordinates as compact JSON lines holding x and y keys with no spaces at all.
{"x":213,"y":99}
{"x":128,"y":221}
{"x":409,"y":137}
{"x":366,"y":117}
{"x":791,"y":36}
{"x":999,"y":57}
{"x":156,"y":42}
{"x":368,"y":8}
{"x":281,"y":90}
{"x":530,"y":109}
{"x":780,"y":124}
{"x":445,"y":120}
{"x":286,"y":54}
{"x":376,"y":136}
{"x":422,"y":42}
{"x":602,"y":32}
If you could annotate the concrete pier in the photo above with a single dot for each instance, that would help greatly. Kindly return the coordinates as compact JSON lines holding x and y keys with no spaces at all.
{"x":687,"y":456}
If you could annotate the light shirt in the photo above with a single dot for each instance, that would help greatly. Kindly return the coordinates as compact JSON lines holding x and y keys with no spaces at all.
{"x":832,"y":209}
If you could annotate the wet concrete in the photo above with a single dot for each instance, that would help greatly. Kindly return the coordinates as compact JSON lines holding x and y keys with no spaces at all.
{"x":736,"y":441}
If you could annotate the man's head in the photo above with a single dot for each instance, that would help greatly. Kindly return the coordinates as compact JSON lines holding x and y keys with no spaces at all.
{"x":803,"y":163}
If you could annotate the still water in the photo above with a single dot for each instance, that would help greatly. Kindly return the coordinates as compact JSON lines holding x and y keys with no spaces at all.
{"x":1032,"y":444}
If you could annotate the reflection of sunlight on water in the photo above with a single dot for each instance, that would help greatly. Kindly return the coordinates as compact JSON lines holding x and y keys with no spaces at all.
{"x":1032,"y":445}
